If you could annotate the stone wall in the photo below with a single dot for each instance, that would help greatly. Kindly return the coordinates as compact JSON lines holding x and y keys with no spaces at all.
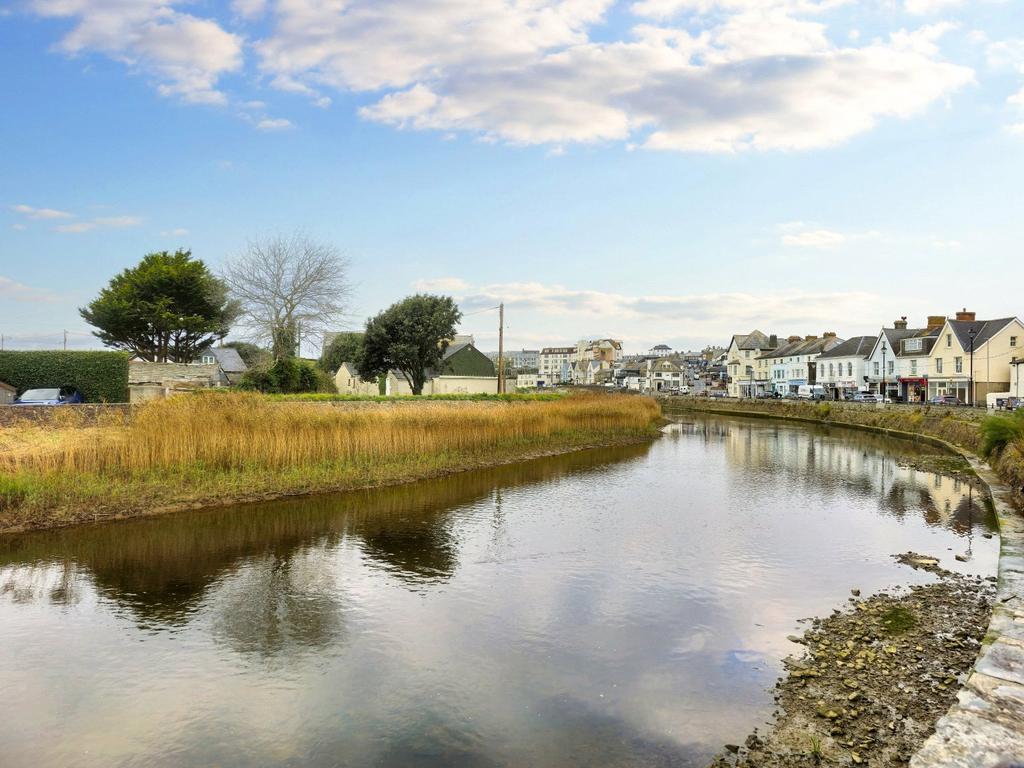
{"x":87,"y":413}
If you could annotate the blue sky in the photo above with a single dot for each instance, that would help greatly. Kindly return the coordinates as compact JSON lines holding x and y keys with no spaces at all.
{"x":659,"y":170}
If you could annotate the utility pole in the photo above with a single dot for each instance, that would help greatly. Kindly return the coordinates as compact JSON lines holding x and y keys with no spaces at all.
{"x":65,"y":339}
{"x":501,"y":348}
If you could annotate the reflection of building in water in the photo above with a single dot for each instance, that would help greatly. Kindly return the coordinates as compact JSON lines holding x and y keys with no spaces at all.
{"x":819,"y":461}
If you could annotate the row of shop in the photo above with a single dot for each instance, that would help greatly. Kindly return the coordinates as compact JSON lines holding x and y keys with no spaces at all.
{"x":903,"y":390}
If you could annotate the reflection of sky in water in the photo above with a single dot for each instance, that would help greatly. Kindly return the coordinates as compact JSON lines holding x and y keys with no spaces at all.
{"x":618,"y":607}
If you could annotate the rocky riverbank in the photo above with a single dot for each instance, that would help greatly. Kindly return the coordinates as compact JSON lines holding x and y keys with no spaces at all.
{"x":875,"y":676}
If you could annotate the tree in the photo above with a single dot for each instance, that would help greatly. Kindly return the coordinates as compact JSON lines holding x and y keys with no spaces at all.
{"x":289,"y":288}
{"x":252,"y":354}
{"x":410,"y":336}
{"x":169,"y":307}
{"x":344,"y":348}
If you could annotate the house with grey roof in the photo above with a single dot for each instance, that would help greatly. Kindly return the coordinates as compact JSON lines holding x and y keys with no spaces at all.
{"x":840,"y":370}
{"x":793,"y":364}
{"x":745,"y":377}
{"x":971,"y":358}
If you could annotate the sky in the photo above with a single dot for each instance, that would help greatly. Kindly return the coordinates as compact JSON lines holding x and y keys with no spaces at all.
{"x":658,"y":171}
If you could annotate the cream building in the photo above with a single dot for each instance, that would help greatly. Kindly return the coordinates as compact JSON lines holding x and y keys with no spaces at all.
{"x":995,"y":344}
{"x":748,"y":376}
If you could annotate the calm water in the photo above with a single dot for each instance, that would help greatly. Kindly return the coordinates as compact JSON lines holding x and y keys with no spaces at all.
{"x":616,"y":607}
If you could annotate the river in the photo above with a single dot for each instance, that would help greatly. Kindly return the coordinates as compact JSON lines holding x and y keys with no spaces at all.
{"x":616,"y":607}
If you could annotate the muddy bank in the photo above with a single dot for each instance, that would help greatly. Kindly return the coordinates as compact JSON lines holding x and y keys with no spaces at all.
{"x":873,"y":678}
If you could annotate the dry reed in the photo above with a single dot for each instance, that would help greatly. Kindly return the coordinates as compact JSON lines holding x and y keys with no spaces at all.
{"x":185,"y":447}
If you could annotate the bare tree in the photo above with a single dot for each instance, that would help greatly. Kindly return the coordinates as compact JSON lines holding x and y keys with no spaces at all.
{"x":289,"y":288}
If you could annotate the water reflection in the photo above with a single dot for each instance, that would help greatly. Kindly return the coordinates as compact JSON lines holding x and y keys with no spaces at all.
{"x":626,"y":606}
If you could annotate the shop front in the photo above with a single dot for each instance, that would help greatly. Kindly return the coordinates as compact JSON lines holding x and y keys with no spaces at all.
{"x":913,"y":389}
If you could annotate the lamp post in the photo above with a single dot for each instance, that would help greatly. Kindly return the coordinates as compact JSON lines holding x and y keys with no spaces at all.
{"x":883,"y":371}
{"x":972,"y":333}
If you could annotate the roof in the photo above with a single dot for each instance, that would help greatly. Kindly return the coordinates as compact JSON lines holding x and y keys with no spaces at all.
{"x":5,"y":385}
{"x":804,"y":347}
{"x":661,"y":346}
{"x":858,"y":346}
{"x":453,"y":348}
{"x":753,"y":340}
{"x":228,"y":359}
{"x":558,"y":350}
{"x":986,"y":329}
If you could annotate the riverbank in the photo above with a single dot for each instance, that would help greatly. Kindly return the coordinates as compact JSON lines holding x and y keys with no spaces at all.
{"x":957,"y":428}
{"x":208,"y":450}
{"x":984,"y":726}
{"x":875,"y":676}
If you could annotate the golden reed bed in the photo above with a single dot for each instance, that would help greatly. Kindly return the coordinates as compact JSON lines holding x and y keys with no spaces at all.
{"x":224,"y":447}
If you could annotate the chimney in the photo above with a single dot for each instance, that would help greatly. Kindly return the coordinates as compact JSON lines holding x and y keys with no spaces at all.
{"x":901,"y":324}
{"x":810,"y":338}
{"x":773,"y":341}
{"x":936,"y":321}
{"x":791,"y":339}
{"x":965,"y":316}
{"x":829,"y":335}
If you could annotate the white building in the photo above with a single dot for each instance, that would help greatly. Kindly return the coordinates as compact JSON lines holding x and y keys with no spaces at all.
{"x":746,"y":377}
{"x":554,"y":362}
{"x":660,"y":350}
{"x":841,"y":369}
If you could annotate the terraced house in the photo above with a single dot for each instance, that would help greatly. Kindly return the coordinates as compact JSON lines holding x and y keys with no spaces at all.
{"x":746,"y":377}
{"x":793,"y":364}
{"x":971,"y":358}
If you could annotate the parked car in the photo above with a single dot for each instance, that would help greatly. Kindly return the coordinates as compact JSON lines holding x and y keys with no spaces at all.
{"x":54,"y":396}
{"x":946,"y":400}
{"x":866,"y":397}
{"x":718,"y":394}
{"x":811,"y":392}
{"x":791,"y":396}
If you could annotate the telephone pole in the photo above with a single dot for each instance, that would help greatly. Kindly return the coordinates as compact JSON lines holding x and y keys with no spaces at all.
{"x":501,"y":348}
{"x":65,"y":340}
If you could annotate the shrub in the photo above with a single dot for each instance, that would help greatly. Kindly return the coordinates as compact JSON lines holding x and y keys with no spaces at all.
{"x":287,"y":375}
{"x":1000,"y":430}
{"x":99,"y":376}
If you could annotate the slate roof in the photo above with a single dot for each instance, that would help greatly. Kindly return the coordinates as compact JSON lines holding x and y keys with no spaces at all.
{"x":753,"y":340}
{"x":804,"y":347}
{"x":986,"y":330}
{"x":858,"y":346}
{"x":228,"y":359}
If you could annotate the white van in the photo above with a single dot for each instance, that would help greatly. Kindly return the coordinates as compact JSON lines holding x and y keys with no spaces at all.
{"x":811,"y":392}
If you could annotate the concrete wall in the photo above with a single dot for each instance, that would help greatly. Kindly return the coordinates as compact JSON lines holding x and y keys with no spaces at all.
{"x":462,"y":385}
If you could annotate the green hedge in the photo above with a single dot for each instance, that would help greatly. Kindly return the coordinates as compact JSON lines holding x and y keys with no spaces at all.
{"x":99,"y":376}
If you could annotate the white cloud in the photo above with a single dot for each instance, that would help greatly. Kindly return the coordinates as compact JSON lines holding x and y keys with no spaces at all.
{"x":11,"y":289}
{"x":797,"y":235}
{"x":274,"y":124}
{"x":102,"y":222}
{"x":185,"y":54}
{"x":554,"y":314}
{"x":758,"y":75}
{"x":18,"y":227}
{"x":41,"y":213}
{"x":924,"y":7}
{"x":441,"y":285}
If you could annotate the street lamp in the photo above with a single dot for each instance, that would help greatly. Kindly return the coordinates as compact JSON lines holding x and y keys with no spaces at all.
{"x":971,"y":332}
{"x":883,"y":371}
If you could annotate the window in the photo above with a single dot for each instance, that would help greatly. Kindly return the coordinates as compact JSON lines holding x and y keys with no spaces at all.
{"x":958,"y":363}
{"x":849,"y":369}
{"x":209,"y":359}
{"x":938,"y":365}
{"x":949,"y":339}
{"x":746,"y":353}
{"x":912,"y":345}
{"x":830,"y":371}
{"x":876,"y":369}
{"x":1013,"y":341}
{"x":891,"y":366}
{"x":913,"y":367}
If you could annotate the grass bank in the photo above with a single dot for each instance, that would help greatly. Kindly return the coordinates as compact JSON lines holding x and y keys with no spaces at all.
{"x":213,"y":449}
{"x":961,"y":427}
